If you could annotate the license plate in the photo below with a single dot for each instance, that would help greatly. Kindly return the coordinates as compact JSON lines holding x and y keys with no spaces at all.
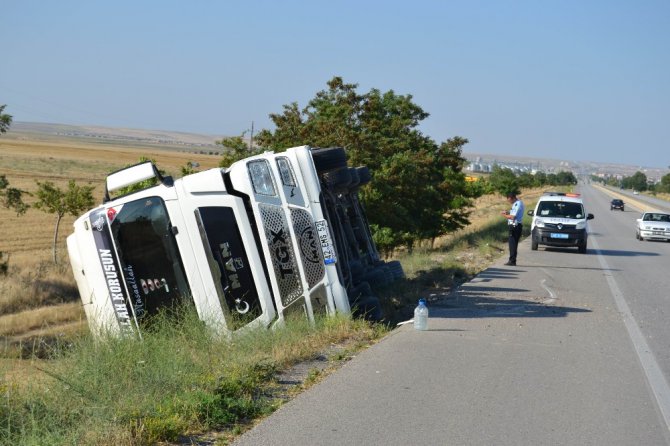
{"x":658,"y":233}
{"x":558,"y":235}
{"x":326,"y":242}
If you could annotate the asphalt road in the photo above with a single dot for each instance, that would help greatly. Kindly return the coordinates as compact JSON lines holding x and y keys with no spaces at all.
{"x":563,"y":349}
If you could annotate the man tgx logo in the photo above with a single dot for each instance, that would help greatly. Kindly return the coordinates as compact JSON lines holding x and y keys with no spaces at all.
{"x":281,"y":252}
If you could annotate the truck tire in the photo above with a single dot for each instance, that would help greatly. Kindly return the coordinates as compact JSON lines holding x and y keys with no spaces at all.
{"x":354,"y":177}
{"x":362,"y":289}
{"x":357,"y":270}
{"x":396,"y":269}
{"x":368,"y":308}
{"x":364,"y":175}
{"x":376,"y":277}
{"x":329,"y":159}
{"x":337,"y":179}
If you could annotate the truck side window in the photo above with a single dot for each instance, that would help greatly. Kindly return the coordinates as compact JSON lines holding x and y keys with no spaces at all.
{"x":284,"y":167}
{"x":152,"y":268}
{"x":229,"y":263}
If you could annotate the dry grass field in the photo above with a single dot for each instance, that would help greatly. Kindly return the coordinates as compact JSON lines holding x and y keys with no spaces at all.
{"x":39,"y":300}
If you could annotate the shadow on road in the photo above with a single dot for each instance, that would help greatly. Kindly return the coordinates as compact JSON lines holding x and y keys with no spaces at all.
{"x":619,"y":253}
{"x":478,"y":302}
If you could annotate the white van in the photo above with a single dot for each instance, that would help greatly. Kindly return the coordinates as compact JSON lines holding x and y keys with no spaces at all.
{"x":559,"y":219}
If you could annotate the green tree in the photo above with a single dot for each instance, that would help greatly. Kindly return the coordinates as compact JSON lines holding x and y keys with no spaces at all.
{"x":504,"y":180}
{"x":637,"y":181}
{"x":539,"y":179}
{"x":5,"y":120}
{"x":418,"y":189}
{"x":53,"y":200}
{"x":664,"y":185}
{"x":564,"y":178}
{"x":237,"y":149}
{"x":10,"y":198}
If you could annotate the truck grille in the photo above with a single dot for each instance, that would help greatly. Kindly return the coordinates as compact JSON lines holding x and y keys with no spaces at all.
{"x":281,"y":251}
{"x":310,"y":247}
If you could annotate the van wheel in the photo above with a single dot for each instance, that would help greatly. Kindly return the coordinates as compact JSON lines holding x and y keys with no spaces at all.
{"x":582,"y":247}
{"x":533,"y":245}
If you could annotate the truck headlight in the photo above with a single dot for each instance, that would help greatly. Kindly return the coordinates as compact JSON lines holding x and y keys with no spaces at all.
{"x":539,"y":223}
{"x":581,"y":225}
{"x":261,"y":177}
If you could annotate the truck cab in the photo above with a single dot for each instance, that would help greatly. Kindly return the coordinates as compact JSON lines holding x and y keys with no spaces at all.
{"x":248,"y":246}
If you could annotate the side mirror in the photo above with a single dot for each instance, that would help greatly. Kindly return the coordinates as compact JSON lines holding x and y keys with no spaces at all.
{"x":531,"y":212}
{"x":590,"y":217}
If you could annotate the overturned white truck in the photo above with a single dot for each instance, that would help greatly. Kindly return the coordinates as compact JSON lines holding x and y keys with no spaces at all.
{"x":272,"y":235}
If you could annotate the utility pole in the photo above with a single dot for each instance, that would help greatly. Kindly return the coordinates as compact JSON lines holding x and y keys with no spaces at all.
{"x":251,"y":138}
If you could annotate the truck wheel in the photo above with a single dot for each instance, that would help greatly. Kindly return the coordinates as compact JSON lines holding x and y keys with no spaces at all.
{"x":364,"y":175}
{"x":329,"y":159}
{"x":354,"y":177}
{"x":396,"y":268}
{"x":357,"y":270}
{"x":355,"y":294}
{"x":336,"y":179}
{"x":369,"y":308}
{"x":376,"y":277}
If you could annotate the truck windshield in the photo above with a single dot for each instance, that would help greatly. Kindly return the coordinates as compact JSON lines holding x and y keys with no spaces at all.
{"x":148,"y":255}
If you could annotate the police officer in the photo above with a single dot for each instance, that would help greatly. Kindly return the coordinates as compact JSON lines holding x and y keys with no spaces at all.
{"x":514,"y":218}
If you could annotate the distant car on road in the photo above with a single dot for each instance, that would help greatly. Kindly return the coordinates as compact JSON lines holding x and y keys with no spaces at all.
{"x":616,"y":204}
{"x":636,"y":192}
{"x":653,"y":225}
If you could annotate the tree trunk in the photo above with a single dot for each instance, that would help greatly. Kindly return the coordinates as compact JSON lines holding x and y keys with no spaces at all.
{"x":58,"y":217}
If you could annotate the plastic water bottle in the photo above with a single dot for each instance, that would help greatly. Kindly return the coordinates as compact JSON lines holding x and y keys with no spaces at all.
{"x":421,"y":315}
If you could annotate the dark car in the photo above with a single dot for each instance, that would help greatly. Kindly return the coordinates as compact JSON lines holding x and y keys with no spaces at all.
{"x":616,"y":204}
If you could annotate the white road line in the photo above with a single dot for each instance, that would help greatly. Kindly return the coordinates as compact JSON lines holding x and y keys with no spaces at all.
{"x":552,"y":295}
{"x":657,"y":381}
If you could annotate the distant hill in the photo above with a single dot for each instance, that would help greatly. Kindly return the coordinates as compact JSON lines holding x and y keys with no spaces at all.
{"x":109,"y":134}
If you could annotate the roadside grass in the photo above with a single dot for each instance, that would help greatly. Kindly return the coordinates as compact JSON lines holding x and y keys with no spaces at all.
{"x":179,"y":379}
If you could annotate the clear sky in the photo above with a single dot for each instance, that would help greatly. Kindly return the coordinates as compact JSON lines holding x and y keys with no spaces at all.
{"x":581,"y":80}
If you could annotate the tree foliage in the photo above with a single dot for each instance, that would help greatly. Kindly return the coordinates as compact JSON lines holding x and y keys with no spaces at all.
{"x":418,"y":189}
{"x":638,"y":181}
{"x":53,"y":200}
{"x":504,"y":180}
{"x":237,"y":149}
{"x":10,"y":198}
{"x":664,"y":185}
{"x":5,"y":120}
